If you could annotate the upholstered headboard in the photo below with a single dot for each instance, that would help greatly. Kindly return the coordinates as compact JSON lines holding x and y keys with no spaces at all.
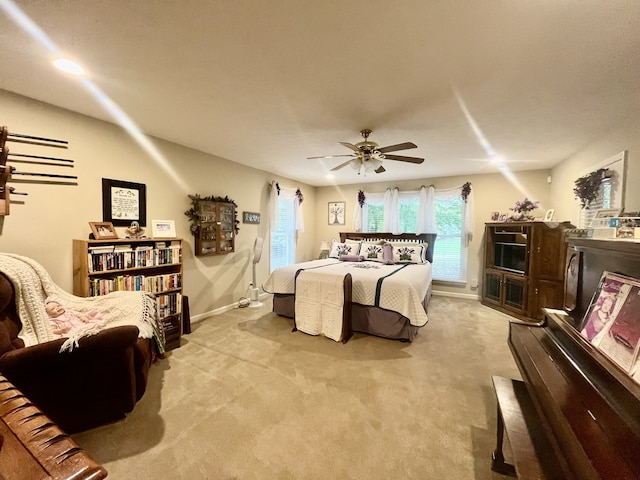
{"x":428,"y":238}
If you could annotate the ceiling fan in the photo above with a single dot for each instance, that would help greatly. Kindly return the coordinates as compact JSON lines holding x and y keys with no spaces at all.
{"x":368,"y":156}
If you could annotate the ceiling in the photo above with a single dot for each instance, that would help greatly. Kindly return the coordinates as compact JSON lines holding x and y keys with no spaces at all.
{"x":268,"y":84}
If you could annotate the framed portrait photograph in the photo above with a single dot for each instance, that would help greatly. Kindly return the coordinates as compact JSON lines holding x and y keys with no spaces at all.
{"x":103,"y":230}
{"x":495,"y":216}
{"x":336,"y":213}
{"x":124,"y":202}
{"x":549,"y":215}
{"x":163,"y":228}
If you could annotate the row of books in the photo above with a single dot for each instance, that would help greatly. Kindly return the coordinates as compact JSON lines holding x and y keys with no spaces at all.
{"x":135,"y":283}
{"x":121,"y":257}
{"x":169,"y":304}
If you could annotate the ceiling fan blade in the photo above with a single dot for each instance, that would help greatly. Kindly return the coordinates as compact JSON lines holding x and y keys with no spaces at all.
{"x":341,"y":165}
{"x":331,"y":156}
{"x":400,"y":146}
{"x":380,"y":169}
{"x":402,"y":158}
{"x":349,"y":145}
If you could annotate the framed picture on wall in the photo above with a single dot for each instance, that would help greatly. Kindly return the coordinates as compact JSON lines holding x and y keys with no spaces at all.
{"x":336,"y":213}
{"x":124,"y":202}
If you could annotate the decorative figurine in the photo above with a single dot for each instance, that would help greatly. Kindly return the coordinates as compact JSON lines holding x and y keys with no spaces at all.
{"x":135,"y":230}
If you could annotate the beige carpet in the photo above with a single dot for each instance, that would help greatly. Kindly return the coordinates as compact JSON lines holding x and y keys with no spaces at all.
{"x":245,"y":398}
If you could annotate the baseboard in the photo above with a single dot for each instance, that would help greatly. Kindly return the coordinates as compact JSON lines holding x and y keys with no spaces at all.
{"x":468,"y":296}
{"x":212,"y":313}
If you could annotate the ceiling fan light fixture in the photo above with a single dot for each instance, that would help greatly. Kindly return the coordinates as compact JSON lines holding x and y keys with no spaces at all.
{"x":372,"y":164}
{"x":355,"y":164}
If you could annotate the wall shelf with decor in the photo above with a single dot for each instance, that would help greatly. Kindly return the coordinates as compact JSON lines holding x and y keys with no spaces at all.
{"x":524,"y":267}
{"x":214,"y":225}
{"x":154,"y":266}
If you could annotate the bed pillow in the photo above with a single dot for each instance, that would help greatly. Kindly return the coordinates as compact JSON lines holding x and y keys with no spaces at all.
{"x":409,"y":253}
{"x":387,"y":254}
{"x":355,"y":244}
{"x":421,"y":246}
{"x":351,"y":258}
{"x":371,"y":251}
{"x":338,"y":249}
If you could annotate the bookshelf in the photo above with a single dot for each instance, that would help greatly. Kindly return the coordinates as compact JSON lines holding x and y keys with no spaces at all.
{"x":150,"y":265}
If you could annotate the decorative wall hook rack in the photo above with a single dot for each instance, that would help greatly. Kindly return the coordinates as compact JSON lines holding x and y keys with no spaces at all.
{"x":8,"y":171}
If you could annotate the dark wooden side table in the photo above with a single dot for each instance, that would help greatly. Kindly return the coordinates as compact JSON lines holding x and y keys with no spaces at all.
{"x":32,"y":447}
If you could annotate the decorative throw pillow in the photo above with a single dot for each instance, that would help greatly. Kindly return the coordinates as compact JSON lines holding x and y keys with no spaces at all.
{"x":387,"y":254}
{"x":409,"y":253}
{"x":355,"y":245}
{"x":421,"y":247}
{"x":371,"y":251}
{"x":338,"y":249}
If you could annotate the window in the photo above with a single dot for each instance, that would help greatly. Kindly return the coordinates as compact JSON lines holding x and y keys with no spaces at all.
{"x":283,"y":244}
{"x":450,"y":251}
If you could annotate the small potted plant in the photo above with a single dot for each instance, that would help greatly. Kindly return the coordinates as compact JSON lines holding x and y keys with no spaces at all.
{"x":522,"y":211}
{"x":586,"y":187}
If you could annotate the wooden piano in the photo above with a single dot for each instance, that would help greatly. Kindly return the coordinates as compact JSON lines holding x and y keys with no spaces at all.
{"x":576,"y":415}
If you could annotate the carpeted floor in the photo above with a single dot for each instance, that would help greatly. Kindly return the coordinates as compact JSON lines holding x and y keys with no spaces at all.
{"x":245,"y":398}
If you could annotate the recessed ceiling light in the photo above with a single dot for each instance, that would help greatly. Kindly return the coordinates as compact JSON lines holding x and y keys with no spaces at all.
{"x":330,"y":175}
{"x":69,"y":66}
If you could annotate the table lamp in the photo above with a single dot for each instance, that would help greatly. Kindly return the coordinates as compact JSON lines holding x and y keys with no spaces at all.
{"x":324,"y":249}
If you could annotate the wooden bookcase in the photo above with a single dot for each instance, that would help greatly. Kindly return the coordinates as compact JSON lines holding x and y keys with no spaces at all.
{"x":216,"y":235}
{"x":524,"y":267}
{"x":152,"y":265}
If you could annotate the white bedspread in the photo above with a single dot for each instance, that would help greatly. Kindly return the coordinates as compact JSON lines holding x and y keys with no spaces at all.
{"x":402,"y":290}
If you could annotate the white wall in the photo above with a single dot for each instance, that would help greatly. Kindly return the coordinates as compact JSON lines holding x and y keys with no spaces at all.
{"x":44,"y":223}
{"x":625,"y":137}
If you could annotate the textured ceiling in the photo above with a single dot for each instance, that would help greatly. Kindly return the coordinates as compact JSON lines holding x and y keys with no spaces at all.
{"x":268,"y":84}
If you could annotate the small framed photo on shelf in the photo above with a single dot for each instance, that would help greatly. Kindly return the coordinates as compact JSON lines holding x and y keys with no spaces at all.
{"x":549,"y":215}
{"x":336,"y":213}
{"x":495,"y":216}
{"x":163,"y":228}
{"x":103,"y":230}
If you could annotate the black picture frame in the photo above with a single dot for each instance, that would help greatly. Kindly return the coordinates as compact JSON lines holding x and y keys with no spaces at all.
{"x":122,"y":201}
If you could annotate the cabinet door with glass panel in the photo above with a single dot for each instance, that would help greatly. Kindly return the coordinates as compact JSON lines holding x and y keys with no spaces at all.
{"x":505,"y":290}
{"x":216,"y":235}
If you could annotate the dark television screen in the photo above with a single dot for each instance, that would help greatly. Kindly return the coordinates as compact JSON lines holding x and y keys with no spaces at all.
{"x":510,"y":256}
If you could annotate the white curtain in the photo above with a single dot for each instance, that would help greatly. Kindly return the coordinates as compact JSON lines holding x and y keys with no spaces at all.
{"x":273,"y":207}
{"x":357,"y":217}
{"x":469,"y":222}
{"x":426,"y":215}
{"x":285,"y":194}
{"x":469,"y":218}
{"x":392,"y":211}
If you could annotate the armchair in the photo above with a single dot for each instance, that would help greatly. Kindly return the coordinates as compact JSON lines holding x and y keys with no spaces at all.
{"x":97,"y":381}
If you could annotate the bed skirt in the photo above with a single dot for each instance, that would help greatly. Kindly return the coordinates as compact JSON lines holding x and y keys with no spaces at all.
{"x":365,"y":319}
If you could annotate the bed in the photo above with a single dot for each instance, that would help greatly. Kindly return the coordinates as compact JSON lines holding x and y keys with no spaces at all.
{"x":388,"y":301}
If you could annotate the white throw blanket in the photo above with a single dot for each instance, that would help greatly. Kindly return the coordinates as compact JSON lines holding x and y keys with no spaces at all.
{"x":33,"y":285}
{"x":319,"y":304}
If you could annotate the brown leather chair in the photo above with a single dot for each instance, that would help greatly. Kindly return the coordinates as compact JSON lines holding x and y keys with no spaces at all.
{"x":99,"y":381}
